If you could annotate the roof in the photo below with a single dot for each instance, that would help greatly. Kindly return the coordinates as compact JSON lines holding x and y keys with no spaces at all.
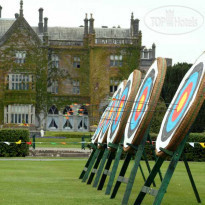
{"x":76,"y":34}
{"x":70,"y":33}
{"x":5,"y":24}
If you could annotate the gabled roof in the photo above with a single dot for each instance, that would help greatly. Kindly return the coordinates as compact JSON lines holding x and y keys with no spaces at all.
{"x":20,"y":21}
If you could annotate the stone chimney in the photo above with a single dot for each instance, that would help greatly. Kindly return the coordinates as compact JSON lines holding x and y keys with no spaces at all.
{"x":153,"y":50}
{"x":135,"y":27}
{"x":16,"y":15}
{"x":40,"y":24}
{"x":131,"y":24}
{"x":0,"y":10}
{"x":91,"y":28}
{"x":45,"y":25}
{"x":86,"y":26}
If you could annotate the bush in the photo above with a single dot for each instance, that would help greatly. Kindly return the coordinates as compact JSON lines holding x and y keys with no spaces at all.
{"x":196,"y":153}
{"x":14,"y":150}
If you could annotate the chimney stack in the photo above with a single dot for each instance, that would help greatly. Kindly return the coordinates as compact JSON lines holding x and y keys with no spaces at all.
{"x":136,"y":27}
{"x":131,"y":24}
{"x":153,"y":50}
{"x":86,"y":25}
{"x":16,"y":15}
{"x":40,"y":24}
{"x":91,"y":28}
{"x":0,"y":10}
{"x":45,"y":25}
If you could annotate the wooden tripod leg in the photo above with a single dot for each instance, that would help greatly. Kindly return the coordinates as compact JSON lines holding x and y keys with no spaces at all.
{"x":91,"y":165}
{"x":94,"y":170}
{"x":191,"y":179}
{"x":106,"y":170}
{"x":138,"y":156}
{"x":86,"y":165}
{"x":114,"y":170}
{"x":99,"y":172}
{"x":121,"y":175}
{"x":150,"y":180}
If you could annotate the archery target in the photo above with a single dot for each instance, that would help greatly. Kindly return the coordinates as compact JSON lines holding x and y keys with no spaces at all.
{"x":99,"y":127}
{"x":119,"y":120}
{"x":183,"y":109}
{"x":111,"y":109}
{"x":145,"y":103}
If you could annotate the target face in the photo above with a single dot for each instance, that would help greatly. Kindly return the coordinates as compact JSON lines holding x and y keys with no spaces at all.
{"x":120,"y":116}
{"x":180,"y":106}
{"x":111,"y":109}
{"x":145,"y":101}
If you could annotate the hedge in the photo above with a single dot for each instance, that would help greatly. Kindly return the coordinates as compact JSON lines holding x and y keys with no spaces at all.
{"x":14,"y":135}
{"x":196,"y":153}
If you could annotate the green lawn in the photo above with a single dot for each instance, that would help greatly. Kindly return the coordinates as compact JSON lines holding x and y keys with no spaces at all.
{"x":56,"y":182}
{"x":55,"y":142}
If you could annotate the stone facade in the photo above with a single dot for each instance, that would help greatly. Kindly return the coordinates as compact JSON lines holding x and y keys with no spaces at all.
{"x":60,"y":78}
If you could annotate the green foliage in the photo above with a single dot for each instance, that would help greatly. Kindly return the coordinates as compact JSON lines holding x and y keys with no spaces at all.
{"x":14,"y":150}
{"x":196,"y":153}
{"x":173,"y":78}
{"x":158,"y":116}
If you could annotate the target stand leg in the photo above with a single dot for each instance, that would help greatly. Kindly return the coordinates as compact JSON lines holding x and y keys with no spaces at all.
{"x":97,"y":162}
{"x":159,"y":194}
{"x":106,"y":172}
{"x":96,"y":154}
{"x":121,"y":178}
{"x":154,"y":155}
{"x":138,"y":156}
{"x":88,"y":161}
{"x":108,"y":155}
{"x":191,"y":179}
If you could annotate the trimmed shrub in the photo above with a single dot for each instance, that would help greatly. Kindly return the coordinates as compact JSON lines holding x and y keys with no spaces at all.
{"x":196,"y":153}
{"x":14,"y":135}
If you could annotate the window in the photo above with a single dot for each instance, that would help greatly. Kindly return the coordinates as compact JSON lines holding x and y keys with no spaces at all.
{"x":20,"y":57}
{"x":113,"y":88}
{"x":76,"y":87}
{"x":53,"y":118}
{"x":113,"y":85}
{"x":20,"y":82}
{"x":53,"y":88}
{"x":18,"y":114}
{"x":53,"y":110}
{"x":116,"y":60}
{"x":55,"y":61}
{"x":68,"y":120}
{"x":76,"y":62}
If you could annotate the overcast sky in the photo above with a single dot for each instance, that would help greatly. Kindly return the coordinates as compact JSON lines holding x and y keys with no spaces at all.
{"x":185,"y":44}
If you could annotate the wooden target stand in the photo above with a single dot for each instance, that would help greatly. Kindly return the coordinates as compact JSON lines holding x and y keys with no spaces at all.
{"x":159,"y":194}
{"x":115,"y":135}
{"x":114,"y":152}
{"x":124,"y":104}
{"x":174,"y":130}
{"x":100,"y":136}
{"x":137,"y":131}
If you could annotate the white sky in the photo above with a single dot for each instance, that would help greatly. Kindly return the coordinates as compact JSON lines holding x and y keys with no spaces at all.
{"x":70,"y":13}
